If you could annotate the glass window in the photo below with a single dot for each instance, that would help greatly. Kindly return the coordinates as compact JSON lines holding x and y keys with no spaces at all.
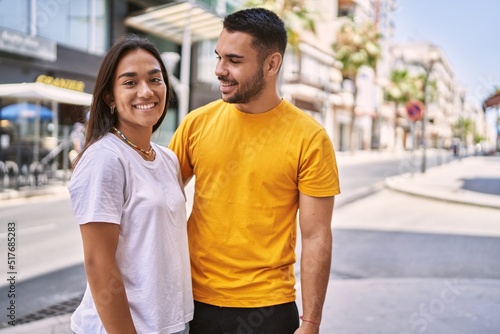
{"x":69,"y":22}
{"x":313,"y":71}
{"x":291,"y":64}
{"x":101,"y":33}
{"x":14,"y":15}
{"x":207,"y":61}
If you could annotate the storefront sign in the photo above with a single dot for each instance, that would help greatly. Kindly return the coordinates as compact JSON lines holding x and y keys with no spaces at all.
{"x":60,"y":82}
{"x":31,"y":46}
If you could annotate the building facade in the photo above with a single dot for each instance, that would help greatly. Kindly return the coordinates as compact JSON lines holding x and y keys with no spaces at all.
{"x":61,"y":43}
{"x":34,"y":48}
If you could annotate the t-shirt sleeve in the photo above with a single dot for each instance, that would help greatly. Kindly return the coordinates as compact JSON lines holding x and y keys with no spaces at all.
{"x":318,"y":173}
{"x":97,"y":187}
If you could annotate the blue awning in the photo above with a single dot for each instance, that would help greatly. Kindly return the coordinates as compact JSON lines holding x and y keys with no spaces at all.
{"x":26,"y":111}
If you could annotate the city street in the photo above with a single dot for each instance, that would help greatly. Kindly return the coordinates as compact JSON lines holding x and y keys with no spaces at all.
{"x":401,"y":263}
{"x":407,"y":93}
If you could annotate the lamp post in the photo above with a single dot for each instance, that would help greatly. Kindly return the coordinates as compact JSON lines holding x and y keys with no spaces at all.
{"x":428,"y":71}
{"x":433,"y":58}
{"x":424,"y":58}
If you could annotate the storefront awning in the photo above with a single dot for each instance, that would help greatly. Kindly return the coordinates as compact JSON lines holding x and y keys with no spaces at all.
{"x":492,"y":101}
{"x":170,"y":21}
{"x":41,"y":91}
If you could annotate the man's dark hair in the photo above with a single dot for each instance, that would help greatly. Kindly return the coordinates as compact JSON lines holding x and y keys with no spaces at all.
{"x":266,"y":28}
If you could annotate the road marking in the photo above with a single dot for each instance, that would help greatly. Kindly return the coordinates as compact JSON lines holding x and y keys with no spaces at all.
{"x":31,"y":230}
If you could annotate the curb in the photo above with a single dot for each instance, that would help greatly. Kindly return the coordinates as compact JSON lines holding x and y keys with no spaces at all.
{"x":54,"y":325}
{"x":475,"y":199}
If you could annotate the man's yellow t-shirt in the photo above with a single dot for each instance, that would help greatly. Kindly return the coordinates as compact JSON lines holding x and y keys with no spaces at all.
{"x":249,"y":169}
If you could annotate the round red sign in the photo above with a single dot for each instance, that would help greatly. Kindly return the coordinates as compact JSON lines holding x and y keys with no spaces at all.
{"x":415,"y":110}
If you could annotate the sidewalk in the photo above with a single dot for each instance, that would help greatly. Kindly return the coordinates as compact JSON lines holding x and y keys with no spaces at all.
{"x":471,"y":181}
{"x":474,"y":181}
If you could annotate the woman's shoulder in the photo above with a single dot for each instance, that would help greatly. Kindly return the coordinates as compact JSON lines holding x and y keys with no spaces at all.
{"x":103,"y":151}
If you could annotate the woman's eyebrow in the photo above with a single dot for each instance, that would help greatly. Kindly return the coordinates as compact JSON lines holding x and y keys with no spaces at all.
{"x":133,"y":74}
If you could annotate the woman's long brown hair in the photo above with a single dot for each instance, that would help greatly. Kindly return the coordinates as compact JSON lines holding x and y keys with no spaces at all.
{"x":101,"y":121}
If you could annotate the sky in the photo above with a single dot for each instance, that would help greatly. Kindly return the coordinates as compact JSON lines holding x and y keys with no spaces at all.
{"x":467,"y":31}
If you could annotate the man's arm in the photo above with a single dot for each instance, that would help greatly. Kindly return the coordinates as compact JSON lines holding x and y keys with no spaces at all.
{"x":315,"y":216}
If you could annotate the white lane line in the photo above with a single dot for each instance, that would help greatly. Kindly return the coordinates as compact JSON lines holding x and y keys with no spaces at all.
{"x":31,"y":230}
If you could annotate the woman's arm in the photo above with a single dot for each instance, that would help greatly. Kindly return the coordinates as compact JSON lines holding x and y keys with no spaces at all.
{"x":100,"y":242}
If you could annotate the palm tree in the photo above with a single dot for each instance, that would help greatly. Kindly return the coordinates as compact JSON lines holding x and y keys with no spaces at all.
{"x":294,"y":14}
{"x":356,"y":46}
{"x":463,"y":128}
{"x":398,"y":92}
{"x":404,"y":87}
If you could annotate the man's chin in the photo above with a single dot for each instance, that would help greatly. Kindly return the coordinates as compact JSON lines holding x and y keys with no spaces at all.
{"x":228,"y":99}
{"x":234,"y":99}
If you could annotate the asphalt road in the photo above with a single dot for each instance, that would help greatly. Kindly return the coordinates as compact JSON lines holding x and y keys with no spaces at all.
{"x":404,"y":264}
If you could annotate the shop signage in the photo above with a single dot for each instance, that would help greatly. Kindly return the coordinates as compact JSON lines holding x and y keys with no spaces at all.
{"x":60,"y":82}
{"x":26,"y":45}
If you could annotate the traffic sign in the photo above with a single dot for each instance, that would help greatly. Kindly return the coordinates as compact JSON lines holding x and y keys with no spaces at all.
{"x":415,"y":110}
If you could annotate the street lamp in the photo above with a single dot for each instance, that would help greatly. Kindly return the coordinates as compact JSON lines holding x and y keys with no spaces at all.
{"x":433,"y":58}
{"x":428,"y":70}
{"x":425,"y":57}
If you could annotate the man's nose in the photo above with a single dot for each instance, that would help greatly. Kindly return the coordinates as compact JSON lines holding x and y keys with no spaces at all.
{"x":220,"y":69}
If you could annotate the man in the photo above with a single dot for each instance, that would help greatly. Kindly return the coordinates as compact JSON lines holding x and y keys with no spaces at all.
{"x":257,"y":159}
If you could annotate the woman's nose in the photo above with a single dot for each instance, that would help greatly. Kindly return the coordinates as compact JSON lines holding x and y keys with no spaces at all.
{"x":144,"y":90}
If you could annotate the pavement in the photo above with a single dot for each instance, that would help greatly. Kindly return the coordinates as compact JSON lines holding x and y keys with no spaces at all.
{"x":383,"y":305}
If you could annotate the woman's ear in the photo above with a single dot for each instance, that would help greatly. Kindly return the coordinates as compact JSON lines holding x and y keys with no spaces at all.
{"x":109,"y":99}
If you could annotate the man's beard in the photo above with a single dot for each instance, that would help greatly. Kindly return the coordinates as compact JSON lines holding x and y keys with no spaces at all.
{"x":250,"y":90}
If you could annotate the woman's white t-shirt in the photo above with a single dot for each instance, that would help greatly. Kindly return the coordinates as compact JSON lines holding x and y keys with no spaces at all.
{"x":112,"y":183}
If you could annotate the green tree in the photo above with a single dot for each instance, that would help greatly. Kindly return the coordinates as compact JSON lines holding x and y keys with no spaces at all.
{"x":399,"y":92}
{"x":462,"y":128}
{"x":404,"y":87}
{"x":356,"y":46}
{"x":294,"y":13}
{"x":296,"y":18}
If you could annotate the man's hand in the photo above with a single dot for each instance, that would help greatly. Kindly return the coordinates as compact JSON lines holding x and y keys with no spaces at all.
{"x":307,"y":328}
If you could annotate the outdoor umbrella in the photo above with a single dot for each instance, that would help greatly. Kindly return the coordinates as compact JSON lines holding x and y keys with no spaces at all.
{"x":26,"y":111}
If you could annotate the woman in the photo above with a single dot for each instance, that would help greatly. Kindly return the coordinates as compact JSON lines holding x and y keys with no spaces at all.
{"x":126,"y":196}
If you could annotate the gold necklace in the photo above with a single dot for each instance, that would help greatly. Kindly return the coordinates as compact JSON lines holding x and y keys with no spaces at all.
{"x":148,"y":155}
